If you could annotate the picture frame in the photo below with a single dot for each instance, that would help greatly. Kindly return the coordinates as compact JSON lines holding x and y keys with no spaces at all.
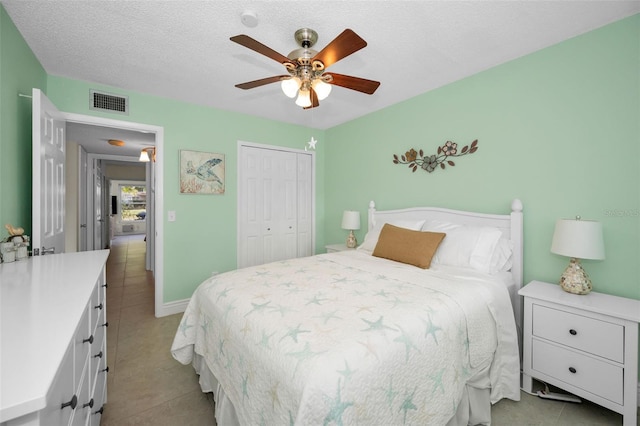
{"x":202,"y":173}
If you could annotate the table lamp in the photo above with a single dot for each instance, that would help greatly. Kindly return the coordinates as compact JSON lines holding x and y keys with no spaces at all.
{"x":351,"y":222}
{"x":577,"y":239}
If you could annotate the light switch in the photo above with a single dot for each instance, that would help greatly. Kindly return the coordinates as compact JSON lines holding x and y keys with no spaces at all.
{"x":171,"y":215}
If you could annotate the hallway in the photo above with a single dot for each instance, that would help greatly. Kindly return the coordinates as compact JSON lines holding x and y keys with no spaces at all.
{"x":146,"y":386}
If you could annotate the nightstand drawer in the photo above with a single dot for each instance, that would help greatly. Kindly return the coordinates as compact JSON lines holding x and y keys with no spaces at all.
{"x":591,"y":335}
{"x":587,"y":373}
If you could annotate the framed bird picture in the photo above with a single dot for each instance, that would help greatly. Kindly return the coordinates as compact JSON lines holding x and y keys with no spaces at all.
{"x":201,"y":172}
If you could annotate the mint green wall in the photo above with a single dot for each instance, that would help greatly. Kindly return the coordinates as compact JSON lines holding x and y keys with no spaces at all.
{"x":20,"y":71}
{"x":203,"y":238}
{"x":558,"y":129}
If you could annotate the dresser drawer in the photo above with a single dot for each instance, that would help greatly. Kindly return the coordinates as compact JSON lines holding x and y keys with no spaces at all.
{"x":592,"y":375}
{"x":590,"y":335}
{"x":81,"y":343}
{"x":62,"y":393}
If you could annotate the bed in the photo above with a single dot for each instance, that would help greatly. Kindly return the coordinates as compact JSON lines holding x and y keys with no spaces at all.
{"x":356,"y":338}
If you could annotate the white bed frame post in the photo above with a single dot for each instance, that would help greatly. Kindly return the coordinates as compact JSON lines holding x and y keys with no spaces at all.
{"x":517,"y":270}
{"x":370,"y":216}
{"x":517,"y":238}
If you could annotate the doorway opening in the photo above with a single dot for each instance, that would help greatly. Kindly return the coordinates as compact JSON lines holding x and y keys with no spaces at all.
{"x":153,"y":187}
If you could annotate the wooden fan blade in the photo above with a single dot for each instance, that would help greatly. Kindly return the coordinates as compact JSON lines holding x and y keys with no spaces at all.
{"x":255,"y":45}
{"x":314,"y":99}
{"x":354,"y":83}
{"x":261,"y":82}
{"x":342,"y":46}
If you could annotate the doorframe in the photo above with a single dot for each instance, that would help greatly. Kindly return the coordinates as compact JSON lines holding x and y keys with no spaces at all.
{"x":160,"y":309}
{"x":241,"y":172}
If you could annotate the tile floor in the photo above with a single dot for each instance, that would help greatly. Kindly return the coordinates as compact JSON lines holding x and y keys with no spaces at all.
{"x":146,"y":386}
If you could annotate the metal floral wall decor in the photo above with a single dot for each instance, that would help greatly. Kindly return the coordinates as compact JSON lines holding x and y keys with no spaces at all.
{"x":417,"y":159}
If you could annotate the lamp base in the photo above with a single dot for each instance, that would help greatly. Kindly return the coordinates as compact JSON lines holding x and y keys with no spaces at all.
{"x":351,"y":240}
{"x":574,"y":279}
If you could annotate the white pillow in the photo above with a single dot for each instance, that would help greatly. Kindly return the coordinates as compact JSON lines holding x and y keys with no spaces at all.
{"x":501,"y":261}
{"x":485,"y":247}
{"x":371,"y":238}
{"x":468,"y":246}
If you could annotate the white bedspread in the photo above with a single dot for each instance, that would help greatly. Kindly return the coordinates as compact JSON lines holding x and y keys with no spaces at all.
{"x":347,"y":338}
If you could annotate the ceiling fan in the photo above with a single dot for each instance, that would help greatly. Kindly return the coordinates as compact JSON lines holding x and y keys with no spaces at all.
{"x":307,"y":76}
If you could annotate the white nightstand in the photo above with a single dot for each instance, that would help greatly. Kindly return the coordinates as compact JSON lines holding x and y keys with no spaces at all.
{"x":332,"y":248}
{"x":586,"y":345}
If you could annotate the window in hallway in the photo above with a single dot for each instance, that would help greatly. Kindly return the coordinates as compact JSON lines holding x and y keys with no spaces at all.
{"x":133,"y":202}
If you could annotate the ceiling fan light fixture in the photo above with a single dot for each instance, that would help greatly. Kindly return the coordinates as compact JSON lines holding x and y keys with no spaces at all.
{"x":304,"y":98}
{"x":321,"y":88}
{"x":290,"y":86}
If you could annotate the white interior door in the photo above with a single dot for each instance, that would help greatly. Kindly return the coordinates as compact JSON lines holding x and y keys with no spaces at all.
{"x":97,"y":205}
{"x":275,"y":205}
{"x":83,"y":237}
{"x":304,"y":205}
{"x":48,"y":184}
{"x":151,"y":216}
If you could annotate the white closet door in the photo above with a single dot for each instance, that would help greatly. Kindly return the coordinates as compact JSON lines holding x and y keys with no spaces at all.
{"x":269,"y":206}
{"x":305,"y":205}
{"x":251,"y":215}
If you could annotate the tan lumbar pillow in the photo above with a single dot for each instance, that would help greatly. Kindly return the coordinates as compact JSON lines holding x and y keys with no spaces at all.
{"x":407,"y":246}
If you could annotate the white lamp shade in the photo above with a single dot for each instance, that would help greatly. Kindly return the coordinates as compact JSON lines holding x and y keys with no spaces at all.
{"x":322,"y":89}
{"x":581,"y":239}
{"x":144,"y":156}
{"x":304,"y":98}
{"x":290,"y":86}
{"x":351,"y":220}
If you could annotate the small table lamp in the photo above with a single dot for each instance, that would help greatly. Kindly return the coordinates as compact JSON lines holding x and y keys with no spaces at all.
{"x":351,"y":222}
{"x":577,"y":239}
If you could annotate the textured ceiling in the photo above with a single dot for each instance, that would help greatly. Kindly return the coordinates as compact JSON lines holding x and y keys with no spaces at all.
{"x":181,"y":49}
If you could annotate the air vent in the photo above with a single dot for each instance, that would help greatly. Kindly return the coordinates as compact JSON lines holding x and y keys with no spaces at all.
{"x":101,"y":101}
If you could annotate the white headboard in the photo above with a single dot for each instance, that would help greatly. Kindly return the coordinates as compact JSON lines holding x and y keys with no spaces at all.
{"x":510,"y":224}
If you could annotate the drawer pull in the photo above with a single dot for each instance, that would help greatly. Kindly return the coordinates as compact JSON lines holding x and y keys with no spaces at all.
{"x":573,"y":332}
{"x":88,"y":404}
{"x":106,"y":370}
{"x":573,"y":370}
{"x":98,"y":307}
{"x":98,"y":355}
{"x":72,"y":403}
{"x":104,"y":285}
{"x":106,"y":324}
{"x":99,"y":411}
{"x":90,"y":339}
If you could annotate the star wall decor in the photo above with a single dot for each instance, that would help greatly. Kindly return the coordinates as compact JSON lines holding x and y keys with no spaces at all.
{"x":311,"y":144}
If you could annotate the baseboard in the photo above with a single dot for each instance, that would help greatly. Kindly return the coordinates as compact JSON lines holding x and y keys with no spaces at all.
{"x":171,"y":308}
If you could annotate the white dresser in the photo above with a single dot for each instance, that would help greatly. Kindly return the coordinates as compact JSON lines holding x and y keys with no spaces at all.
{"x":585,"y":344}
{"x":53,"y":342}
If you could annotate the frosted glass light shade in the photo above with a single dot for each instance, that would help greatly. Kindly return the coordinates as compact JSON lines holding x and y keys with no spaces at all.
{"x":144,"y":156}
{"x":322,"y":89}
{"x":290,"y":86}
{"x":351,"y":220}
{"x":304,"y":98}
{"x":580,"y":239}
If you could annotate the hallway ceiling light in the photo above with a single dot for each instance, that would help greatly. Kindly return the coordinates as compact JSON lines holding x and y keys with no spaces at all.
{"x":115,"y":142}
